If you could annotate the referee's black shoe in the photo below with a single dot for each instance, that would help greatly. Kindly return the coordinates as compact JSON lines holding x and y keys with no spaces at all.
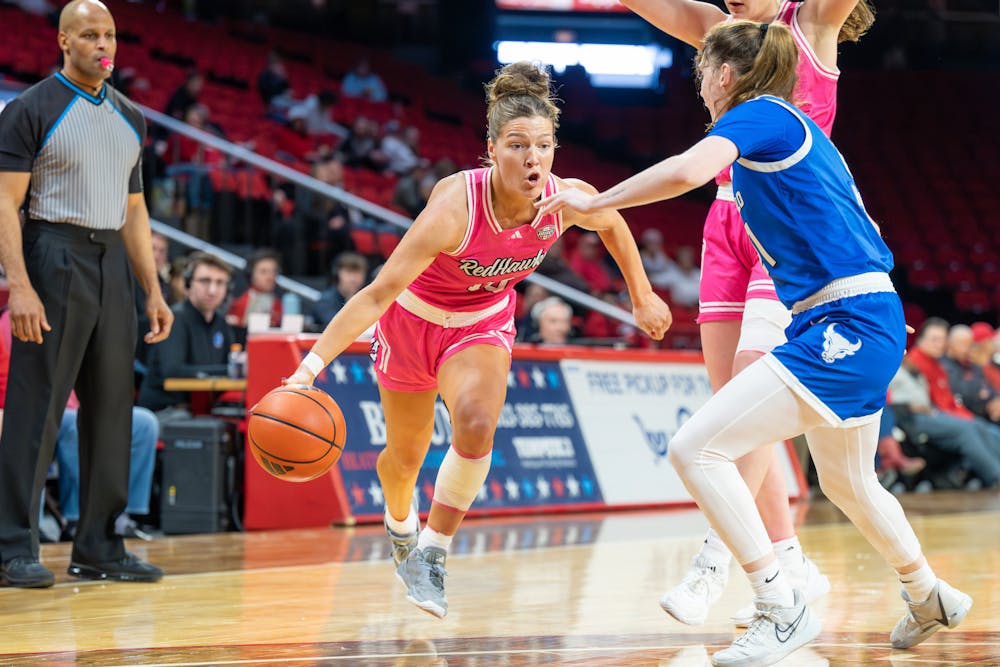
{"x":127,"y":568}
{"x":25,"y":572}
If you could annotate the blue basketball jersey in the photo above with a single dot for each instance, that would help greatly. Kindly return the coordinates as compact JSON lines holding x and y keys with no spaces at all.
{"x":798,"y":200}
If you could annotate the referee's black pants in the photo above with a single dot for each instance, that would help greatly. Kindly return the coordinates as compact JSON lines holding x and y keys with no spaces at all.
{"x":83,"y":279}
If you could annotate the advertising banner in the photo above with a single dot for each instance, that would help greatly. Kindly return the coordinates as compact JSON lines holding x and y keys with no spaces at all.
{"x":539,"y":456}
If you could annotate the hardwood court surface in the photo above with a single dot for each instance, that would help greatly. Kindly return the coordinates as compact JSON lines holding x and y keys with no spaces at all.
{"x":577,"y":590}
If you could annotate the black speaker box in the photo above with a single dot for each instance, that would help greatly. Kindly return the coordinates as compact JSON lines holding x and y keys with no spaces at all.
{"x":196,"y":463}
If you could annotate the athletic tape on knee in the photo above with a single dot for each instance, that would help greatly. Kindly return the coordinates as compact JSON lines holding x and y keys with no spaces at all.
{"x":459,"y":479}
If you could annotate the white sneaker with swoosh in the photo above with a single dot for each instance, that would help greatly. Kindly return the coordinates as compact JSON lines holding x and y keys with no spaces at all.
{"x":773,"y":634}
{"x":946,"y":607}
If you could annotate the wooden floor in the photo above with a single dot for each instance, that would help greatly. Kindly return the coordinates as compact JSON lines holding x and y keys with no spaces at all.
{"x":565,"y":590}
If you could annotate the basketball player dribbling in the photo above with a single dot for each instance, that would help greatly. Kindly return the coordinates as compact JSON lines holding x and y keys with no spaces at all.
{"x":444,"y":302}
{"x":740,"y":316}
{"x":805,"y":217}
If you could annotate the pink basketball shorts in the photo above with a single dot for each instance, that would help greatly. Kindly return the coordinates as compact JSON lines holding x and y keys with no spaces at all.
{"x":408,"y":349}
{"x":731,"y":272}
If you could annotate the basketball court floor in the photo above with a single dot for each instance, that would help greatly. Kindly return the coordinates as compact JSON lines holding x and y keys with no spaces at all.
{"x":577,"y":590}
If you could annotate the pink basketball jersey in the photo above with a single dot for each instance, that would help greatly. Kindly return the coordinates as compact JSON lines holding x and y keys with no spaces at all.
{"x":816,"y":90}
{"x":490,"y":260}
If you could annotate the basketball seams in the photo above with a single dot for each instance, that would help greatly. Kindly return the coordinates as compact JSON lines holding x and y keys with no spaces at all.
{"x":293,"y":429}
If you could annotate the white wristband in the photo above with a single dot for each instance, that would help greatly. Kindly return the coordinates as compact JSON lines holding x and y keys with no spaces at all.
{"x":314,"y":363}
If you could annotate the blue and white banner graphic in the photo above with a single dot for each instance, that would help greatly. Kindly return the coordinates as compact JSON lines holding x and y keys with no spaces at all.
{"x":539,"y":455}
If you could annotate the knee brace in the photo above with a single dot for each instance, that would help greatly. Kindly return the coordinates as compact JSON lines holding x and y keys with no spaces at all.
{"x":459,"y":479}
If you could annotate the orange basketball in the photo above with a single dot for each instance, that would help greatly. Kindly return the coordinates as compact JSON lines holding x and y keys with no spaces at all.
{"x":296,"y":432}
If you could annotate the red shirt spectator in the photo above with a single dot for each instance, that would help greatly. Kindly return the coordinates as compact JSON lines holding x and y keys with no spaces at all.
{"x":937,"y":380}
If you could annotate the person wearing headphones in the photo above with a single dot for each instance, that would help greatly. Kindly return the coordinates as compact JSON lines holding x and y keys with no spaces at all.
{"x":200,"y":340}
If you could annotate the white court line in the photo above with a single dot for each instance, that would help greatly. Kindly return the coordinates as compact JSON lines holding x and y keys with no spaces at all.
{"x":456,"y":654}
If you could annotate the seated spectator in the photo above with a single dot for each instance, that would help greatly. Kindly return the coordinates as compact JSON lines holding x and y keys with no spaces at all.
{"x":178,"y":289}
{"x":186,"y":96}
{"x":553,"y":320}
{"x":293,"y":140}
{"x":361,"y":147}
{"x":198,"y":345}
{"x":525,"y":324}
{"x":966,"y":379}
{"x":892,"y":461}
{"x":145,"y":432}
{"x":910,"y":401}
{"x":655,"y":261}
{"x":588,"y":262}
{"x":347,"y":276}
{"x":190,"y":162}
{"x":685,"y":282}
{"x":325,"y":221}
{"x":262,"y":294}
{"x":273,"y":86}
{"x":411,"y":191}
{"x":400,"y":148}
{"x":317,"y":110}
{"x":986,"y":352}
{"x":161,"y":258}
{"x":363,"y":82}
{"x":556,"y":267}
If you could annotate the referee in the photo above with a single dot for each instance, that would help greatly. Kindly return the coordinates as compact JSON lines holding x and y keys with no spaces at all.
{"x":70,"y":150}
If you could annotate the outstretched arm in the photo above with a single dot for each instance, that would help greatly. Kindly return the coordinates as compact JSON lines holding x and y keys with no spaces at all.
{"x":439,"y":227}
{"x":687,"y":20}
{"x":665,"y":180}
{"x":651,"y":313}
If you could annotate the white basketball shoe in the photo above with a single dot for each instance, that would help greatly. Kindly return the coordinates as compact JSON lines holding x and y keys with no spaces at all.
{"x":774,"y":633}
{"x":946,"y":607}
{"x":701,"y":587}
{"x":804,"y":577}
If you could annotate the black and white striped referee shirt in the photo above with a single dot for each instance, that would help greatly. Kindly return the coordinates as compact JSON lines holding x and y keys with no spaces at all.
{"x":84,"y":152}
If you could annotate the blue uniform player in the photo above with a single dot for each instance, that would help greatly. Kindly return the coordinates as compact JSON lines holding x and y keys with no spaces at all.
{"x":803,"y":213}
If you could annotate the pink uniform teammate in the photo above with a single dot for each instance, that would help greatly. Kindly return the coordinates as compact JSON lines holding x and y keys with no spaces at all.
{"x":740,"y":316}
{"x":444,"y":302}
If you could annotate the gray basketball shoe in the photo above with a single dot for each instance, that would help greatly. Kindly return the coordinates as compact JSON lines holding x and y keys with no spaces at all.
{"x":423,"y":575}
{"x":944,"y":608}
{"x":403,"y":543}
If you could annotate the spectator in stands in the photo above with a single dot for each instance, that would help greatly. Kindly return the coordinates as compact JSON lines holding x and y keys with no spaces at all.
{"x":190,"y":162}
{"x":588,"y":261}
{"x":412,"y":191}
{"x":293,"y":140}
{"x":326,"y":222}
{"x":892,"y":461}
{"x":553,"y":320}
{"x":273,"y":86}
{"x":556,"y":267}
{"x":966,"y":378}
{"x":347,"y":276}
{"x":317,"y":111}
{"x":363,"y":82}
{"x":160,"y":258}
{"x":686,"y":279}
{"x":199,"y":343}
{"x":910,"y":401}
{"x":525,"y":323}
{"x":655,"y":260}
{"x":186,"y":96}
{"x":986,"y":352}
{"x":261,"y":296}
{"x":401,"y":148}
{"x":361,"y":148}
{"x":178,"y":289}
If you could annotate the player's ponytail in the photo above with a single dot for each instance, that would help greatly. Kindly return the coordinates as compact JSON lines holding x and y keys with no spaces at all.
{"x":858,"y":23}
{"x":763,"y":58}
{"x":519,"y":90}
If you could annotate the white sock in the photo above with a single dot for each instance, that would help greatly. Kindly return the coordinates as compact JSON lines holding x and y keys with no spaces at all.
{"x":431,"y":538}
{"x":407,"y":526}
{"x":770,"y":585}
{"x":919,"y":584}
{"x":789,"y":552}
{"x":715,"y":550}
